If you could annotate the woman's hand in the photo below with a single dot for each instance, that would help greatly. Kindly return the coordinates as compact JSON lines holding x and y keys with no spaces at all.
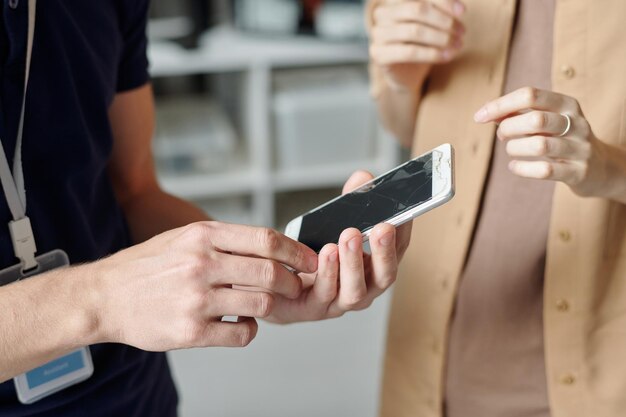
{"x":408,"y":36}
{"x":549,"y":138}
{"x":347,"y":279}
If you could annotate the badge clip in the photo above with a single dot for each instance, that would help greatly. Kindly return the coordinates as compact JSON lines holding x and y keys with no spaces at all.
{"x":23,"y":242}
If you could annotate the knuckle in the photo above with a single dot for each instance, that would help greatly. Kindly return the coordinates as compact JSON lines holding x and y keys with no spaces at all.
{"x":352,"y":301}
{"x":265,"y":304}
{"x":584,"y":128}
{"x":417,"y":32}
{"x":269,"y":274}
{"x":407,"y":53}
{"x":388,"y":281}
{"x":196,"y":265}
{"x":548,"y":170}
{"x":247,"y":334}
{"x":538,"y":120}
{"x":193,"y":334}
{"x":529,"y":95}
{"x":586,"y":151}
{"x":543,"y":146}
{"x":447,"y":22}
{"x":418,"y":9}
{"x":378,"y":14}
{"x":269,"y":239}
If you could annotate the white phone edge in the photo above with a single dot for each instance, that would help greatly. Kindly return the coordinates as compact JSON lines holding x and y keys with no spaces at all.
{"x":442,"y":191}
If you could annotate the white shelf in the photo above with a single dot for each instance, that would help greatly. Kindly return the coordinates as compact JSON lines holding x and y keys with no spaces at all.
{"x":210,"y":185}
{"x":323,"y":176}
{"x":225,"y":49}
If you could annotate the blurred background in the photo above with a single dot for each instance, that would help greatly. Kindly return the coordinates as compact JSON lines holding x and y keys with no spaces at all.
{"x":263,"y":111}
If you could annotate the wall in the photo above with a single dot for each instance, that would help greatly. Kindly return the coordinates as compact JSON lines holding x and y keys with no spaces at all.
{"x":329,"y":369}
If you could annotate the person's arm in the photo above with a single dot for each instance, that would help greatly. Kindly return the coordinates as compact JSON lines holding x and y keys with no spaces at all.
{"x":148,"y":209}
{"x":407,"y":37}
{"x":167,"y":293}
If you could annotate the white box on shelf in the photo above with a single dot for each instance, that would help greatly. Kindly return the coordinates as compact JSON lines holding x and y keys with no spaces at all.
{"x":193,"y":135}
{"x":323,"y":117}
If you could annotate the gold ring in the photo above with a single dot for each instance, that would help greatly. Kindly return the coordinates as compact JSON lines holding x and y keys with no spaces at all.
{"x":569,"y":124}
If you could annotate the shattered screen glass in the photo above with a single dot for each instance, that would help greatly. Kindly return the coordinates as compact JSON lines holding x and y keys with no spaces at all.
{"x":387,"y":196}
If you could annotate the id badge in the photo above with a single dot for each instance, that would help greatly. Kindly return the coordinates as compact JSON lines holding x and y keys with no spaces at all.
{"x":57,"y":374}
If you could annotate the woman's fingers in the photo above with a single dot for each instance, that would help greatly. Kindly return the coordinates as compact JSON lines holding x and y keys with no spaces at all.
{"x":536,"y":123}
{"x":409,"y":53}
{"x":423,"y":12}
{"x":384,"y":258}
{"x":549,"y":147}
{"x":414,"y":33}
{"x":352,"y":286}
{"x":526,"y":98}
{"x":569,"y":172}
{"x":326,"y":283}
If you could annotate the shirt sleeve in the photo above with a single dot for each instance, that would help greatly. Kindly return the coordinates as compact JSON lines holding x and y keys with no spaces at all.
{"x":133,"y":66}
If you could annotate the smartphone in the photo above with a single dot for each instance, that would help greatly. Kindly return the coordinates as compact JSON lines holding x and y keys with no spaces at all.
{"x":395,"y":197}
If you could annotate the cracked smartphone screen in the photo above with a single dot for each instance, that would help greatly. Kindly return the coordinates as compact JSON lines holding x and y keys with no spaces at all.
{"x":385,"y":197}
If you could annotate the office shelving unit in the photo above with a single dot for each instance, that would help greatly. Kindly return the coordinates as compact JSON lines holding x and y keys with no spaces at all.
{"x":253,"y":175}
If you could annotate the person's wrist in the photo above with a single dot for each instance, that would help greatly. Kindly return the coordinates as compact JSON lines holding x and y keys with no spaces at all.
{"x":614,"y":166}
{"x":88,"y":322}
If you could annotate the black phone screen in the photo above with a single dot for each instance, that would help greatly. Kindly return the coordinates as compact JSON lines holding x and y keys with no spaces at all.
{"x":385,"y":197}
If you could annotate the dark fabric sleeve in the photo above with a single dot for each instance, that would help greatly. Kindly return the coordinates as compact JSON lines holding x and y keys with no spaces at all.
{"x":133,"y":66}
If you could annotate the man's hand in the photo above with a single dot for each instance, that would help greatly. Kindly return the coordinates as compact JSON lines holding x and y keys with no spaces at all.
{"x":172,"y":291}
{"x":409,"y":36}
{"x":347,"y":279}
{"x":549,"y":138}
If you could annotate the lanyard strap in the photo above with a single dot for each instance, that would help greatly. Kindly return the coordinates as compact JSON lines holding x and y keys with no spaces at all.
{"x":13,"y":183}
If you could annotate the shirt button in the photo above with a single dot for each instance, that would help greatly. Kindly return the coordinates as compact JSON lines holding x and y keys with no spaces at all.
{"x":562,"y":306}
{"x":565,"y":235}
{"x":568,"y":379}
{"x":13,"y":4}
{"x":568,"y":71}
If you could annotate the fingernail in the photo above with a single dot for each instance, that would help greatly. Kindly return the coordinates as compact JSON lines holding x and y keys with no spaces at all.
{"x":481,"y":115}
{"x":354,"y":244}
{"x":446,"y":54}
{"x":386,"y":239}
{"x":459,"y":8}
{"x":332,"y":257}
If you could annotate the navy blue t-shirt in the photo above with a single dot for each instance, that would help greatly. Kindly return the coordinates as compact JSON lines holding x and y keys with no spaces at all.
{"x":84,"y":53}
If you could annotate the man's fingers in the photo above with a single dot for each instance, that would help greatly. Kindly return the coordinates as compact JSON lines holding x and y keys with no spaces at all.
{"x":352,"y":286}
{"x":229,"y":334}
{"x":262,"y":242}
{"x":258,"y":273}
{"x":384,"y":257}
{"x":240,"y":303}
{"x":357,"y":179}
{"x":526,"y":98}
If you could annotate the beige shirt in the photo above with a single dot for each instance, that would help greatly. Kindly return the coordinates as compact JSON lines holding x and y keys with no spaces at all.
{"x":498,"y":311}
{"x":584,"y":306}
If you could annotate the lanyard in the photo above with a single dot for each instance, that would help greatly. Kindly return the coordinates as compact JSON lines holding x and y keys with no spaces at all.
{"x":13,"y":182}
